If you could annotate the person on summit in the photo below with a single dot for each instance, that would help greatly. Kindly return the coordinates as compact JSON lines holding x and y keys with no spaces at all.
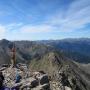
{"x":13,"y":56}
{"x":2,"y":87}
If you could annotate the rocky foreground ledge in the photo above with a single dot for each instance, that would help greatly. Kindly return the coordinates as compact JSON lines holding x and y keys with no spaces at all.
{"x":30,"y":80}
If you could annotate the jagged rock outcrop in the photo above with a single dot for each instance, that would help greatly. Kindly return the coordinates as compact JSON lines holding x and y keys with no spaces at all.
{"x":28,"y":81}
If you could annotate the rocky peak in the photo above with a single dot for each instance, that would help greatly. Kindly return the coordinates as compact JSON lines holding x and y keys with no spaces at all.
{"x":4,"y":41}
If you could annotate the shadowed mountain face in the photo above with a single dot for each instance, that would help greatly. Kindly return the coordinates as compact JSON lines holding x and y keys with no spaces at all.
{"x":76,"y":49}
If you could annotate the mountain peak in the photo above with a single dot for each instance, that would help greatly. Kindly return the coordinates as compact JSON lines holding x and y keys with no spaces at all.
{"x":4,"y":41}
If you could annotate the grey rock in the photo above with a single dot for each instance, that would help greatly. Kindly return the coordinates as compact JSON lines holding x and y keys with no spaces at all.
{"x":34,"y":83}
{"x":43,"y":79}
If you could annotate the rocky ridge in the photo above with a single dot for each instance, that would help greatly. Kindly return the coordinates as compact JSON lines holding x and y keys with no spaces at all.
{"x":64,"y":72}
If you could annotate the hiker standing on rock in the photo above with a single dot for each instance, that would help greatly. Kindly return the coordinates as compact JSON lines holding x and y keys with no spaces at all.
{"x":13,"y":56}
{"x":2,"y":87}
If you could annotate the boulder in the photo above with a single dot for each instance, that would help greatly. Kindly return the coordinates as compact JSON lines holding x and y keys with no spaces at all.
{"x":43,"y":79}
{"x":45,"y":86}
{"x":5,"y":65}
{"x":42,"y":72}
{"x":34,"y":83}
{"x":42,"y":87}
{"x":17,"y":85}
{"x":67,"y":88}
{"x":25,"y":87}
{"x":3,"y":68}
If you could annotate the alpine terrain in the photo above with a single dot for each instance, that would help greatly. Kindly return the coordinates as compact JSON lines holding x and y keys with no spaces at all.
{"x":46,"y":65}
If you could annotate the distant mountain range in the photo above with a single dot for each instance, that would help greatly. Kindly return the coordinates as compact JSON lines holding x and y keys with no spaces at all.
{"x":75,"y":49}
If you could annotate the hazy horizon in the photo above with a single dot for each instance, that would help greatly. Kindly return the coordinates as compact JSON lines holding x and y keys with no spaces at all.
{"x":46,"y":39}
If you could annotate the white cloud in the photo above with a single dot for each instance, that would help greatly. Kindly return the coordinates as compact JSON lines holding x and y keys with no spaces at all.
{"x":13,"y":26}
{"x":36,"y":29}
{"x":2,"y":31}
{"x":9,"y":29}
{"x":76,"y":17}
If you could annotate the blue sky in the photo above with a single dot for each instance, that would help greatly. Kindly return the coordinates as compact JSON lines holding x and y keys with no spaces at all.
{"x":44,"y":19}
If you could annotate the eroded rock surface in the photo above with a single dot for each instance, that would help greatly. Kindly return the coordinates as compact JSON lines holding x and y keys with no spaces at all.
{"x":28,"y":81}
